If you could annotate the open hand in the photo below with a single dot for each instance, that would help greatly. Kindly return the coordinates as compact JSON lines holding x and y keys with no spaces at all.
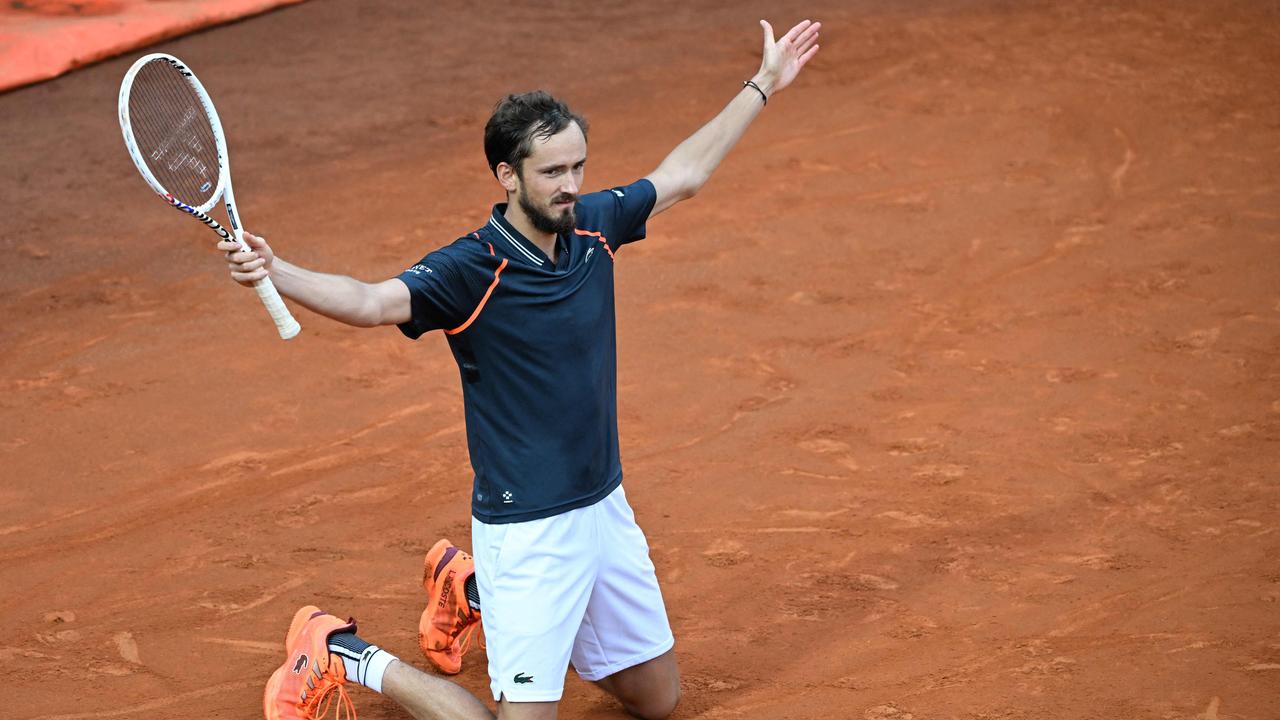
{"x":784,"y":57}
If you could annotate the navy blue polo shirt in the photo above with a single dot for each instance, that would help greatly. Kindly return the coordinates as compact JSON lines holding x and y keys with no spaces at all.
{"x":535,"y":340}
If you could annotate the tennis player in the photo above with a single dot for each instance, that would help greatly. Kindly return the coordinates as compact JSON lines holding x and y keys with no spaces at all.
{"x":561,"y":572}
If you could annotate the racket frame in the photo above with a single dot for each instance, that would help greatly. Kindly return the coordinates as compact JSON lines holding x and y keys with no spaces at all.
{"x":285,"y":322}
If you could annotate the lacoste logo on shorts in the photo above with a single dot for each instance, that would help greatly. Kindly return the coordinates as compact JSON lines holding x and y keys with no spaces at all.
{"x":302,"y":663}
{"x":522,"y":679}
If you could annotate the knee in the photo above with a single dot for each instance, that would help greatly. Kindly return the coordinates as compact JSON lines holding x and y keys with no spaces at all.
{"x":654,"y":706}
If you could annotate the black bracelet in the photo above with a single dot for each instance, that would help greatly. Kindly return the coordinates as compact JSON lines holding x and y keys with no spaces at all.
{"x":751,"y":83}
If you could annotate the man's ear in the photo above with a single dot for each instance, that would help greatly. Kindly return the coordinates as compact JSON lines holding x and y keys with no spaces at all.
{"x":507,"y":177}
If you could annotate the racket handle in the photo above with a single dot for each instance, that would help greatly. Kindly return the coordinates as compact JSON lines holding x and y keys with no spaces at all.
{"x":267,"y":293}
{"x":285,"y":323}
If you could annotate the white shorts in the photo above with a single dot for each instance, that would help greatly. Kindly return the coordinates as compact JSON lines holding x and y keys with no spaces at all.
{"x":576,"y":586}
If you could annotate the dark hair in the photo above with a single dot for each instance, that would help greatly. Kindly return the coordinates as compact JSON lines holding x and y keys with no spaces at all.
{"x":517,"y":120}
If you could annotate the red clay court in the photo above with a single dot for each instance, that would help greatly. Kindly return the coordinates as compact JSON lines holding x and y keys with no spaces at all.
{"x":955,"y":395}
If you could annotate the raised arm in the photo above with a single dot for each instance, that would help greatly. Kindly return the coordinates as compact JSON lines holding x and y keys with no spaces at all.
{"x":690,"y":165}
{"x":342,"y":298}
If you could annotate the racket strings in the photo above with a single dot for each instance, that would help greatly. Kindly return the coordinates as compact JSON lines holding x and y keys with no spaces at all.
{"x":173,"y":133}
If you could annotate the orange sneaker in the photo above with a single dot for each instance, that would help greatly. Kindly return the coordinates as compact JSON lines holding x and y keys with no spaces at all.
{"x":311,"y":679}
{"x":448,"y":624}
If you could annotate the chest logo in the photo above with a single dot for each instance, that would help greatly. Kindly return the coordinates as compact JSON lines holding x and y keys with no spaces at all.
{"x":589,"y":251}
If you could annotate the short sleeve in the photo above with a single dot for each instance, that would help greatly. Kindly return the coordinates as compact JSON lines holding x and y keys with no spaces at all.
{"x":442,"y":293}
{"x":619,"y":213}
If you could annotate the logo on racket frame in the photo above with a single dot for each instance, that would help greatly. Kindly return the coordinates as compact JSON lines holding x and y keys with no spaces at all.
{"x":213,"y":224}
{"x":178,"y":66}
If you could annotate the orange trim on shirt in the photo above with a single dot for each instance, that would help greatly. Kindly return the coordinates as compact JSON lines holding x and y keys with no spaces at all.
{"x":599,"y":237}
{"x":483,"y":300}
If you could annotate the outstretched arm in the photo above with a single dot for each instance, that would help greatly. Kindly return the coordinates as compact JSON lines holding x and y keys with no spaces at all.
{"x":690,"y":165}
{"x":342,"y":298}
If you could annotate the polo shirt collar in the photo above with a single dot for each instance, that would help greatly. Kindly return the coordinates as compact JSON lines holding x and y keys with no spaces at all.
{"x":519,"y":246}
{"x":513,"y":241}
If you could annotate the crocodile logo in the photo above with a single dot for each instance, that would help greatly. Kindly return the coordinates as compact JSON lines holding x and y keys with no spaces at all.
{"x":522,"y":679}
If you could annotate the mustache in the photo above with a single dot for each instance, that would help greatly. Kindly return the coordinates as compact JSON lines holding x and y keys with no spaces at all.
{"x":565,"y":197}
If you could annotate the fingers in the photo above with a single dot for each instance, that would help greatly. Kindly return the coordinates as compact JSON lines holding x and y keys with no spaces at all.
{"x":245,"y":261}
{"x":808,"y":54}
{"x":799,"y":42}
{"x":794,"y":32}
{"x":237,"y":254}
{"x":809,"y":35}
{"x":246,"y":267}
{"x":807,"y":40}
{"x":249,"y":278}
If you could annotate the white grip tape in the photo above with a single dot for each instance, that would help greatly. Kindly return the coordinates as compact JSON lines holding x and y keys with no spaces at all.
{"x":285,"y":323}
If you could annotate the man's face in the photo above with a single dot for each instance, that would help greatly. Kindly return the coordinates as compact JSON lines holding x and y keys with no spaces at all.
{"x":549,"y":181}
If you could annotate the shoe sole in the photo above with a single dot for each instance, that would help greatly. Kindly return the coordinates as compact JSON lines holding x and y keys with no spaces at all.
{"x":273,"y":689}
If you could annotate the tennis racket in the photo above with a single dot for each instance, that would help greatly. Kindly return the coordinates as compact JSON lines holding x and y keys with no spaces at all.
{"x":174,"y":136}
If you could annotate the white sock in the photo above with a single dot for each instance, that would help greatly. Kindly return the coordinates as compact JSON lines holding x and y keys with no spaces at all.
{"x":365,"y":665}
{"x":373,"y":665}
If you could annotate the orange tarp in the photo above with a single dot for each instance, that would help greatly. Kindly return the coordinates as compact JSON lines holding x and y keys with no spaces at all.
{"x":41,"y":39}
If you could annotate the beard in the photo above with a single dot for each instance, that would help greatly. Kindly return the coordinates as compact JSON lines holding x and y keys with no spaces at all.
{"x":544,"y":221}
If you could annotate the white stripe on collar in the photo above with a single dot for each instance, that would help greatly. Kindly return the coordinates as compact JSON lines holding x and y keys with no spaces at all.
{"x":515,"y":243}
